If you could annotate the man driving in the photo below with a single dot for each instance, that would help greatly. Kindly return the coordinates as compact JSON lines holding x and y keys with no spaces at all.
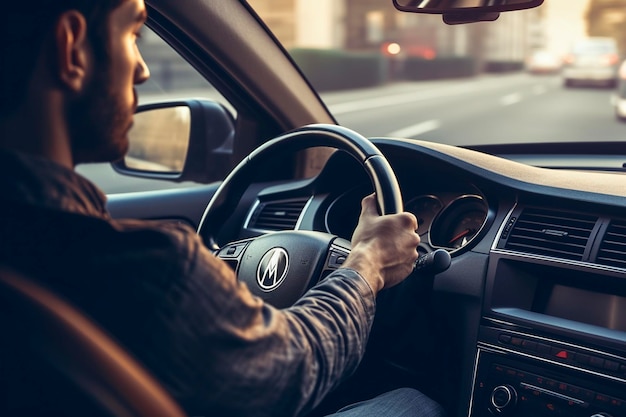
{"x":68,"y":97}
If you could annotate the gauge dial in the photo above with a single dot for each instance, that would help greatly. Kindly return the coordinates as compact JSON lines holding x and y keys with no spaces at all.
{"x":425,"y":208}
{"x":459,"y":222}
{"x":343,"y":213}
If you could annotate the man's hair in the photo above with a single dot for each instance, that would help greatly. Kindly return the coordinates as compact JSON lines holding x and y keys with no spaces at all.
{"x":23,"y":27}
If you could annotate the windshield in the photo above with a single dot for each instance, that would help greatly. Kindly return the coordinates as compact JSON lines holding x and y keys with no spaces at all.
{"x":524,"y":78}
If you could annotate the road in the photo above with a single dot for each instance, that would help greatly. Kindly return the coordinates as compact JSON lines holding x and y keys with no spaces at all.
{"x":486,"y":110}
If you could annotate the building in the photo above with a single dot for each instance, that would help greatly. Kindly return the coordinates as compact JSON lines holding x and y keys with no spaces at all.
{"x":608,"y":18}
{"x":369,"y":25}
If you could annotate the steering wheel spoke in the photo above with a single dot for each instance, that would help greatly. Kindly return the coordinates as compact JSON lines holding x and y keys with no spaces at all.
{"x":232,"y":253}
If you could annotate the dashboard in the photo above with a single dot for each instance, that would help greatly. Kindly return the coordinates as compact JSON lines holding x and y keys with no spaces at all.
{"x":530,"y":319}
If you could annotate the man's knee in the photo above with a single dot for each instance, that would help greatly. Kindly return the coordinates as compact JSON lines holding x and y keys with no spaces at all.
{"x":416,"y":403}
{"x":401,"y":402}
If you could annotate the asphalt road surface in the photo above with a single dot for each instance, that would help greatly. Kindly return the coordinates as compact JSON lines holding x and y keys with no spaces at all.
{"x":512,"y":108}
{"x":516,"y":108}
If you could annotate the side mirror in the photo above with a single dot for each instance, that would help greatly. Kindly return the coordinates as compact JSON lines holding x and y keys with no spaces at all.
{"x":187,"y":140}
{"x":464,"y":11}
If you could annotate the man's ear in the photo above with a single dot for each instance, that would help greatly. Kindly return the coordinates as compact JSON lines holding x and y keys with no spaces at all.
{"x":73,"y":50}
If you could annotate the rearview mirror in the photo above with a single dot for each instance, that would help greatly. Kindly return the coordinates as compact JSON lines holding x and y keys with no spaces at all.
{"x":463,"y":6}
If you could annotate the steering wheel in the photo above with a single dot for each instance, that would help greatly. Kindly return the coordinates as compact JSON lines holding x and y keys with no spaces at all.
{"x":280,"y":266}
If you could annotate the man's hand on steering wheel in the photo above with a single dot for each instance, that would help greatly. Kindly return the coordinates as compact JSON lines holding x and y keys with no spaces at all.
{"x":384,"y":248}
{"x":281,"y":266}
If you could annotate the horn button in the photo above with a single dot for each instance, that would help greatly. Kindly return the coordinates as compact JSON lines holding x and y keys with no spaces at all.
{"x":281,"y":266}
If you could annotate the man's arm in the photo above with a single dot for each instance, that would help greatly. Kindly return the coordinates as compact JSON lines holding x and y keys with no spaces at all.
{"x":226,"y":352}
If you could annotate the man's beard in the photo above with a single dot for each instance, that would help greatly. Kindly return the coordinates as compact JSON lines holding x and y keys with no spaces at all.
{"x":98,"y":123}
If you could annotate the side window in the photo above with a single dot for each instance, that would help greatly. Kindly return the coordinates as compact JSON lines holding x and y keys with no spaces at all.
{"x":171,"y":78}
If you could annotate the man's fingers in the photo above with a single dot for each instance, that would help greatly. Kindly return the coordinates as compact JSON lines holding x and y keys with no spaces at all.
{"x":411,"y":220}
{"x":368,"y":205}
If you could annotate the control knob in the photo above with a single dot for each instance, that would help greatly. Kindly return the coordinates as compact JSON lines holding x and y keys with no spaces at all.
{"x":503,"y":399}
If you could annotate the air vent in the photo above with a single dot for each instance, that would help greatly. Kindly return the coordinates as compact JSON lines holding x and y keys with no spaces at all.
{"x":613,"y":247}
{"x":551,"y":233}
{"x":277,"y":215}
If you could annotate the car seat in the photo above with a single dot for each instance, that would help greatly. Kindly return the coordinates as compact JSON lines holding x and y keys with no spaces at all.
{"x":56,"y":362}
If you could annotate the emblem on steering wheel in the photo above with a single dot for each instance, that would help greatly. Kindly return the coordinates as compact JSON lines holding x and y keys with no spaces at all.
{"x":272,"y":269}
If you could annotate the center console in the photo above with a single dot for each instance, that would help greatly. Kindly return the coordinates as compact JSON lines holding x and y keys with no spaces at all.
{"x":552,"y":341}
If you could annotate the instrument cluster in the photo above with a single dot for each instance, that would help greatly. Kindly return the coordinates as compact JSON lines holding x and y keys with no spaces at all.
{"x":448,"y":219}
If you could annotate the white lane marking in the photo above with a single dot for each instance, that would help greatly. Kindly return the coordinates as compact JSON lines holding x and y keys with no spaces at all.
{"x":380,"y":102}
{"x":460,"y":88}
{"x":415,"y":130}
{"x":539,"y":89}
{"x":412,"y":97}
{"x":510,"y":99}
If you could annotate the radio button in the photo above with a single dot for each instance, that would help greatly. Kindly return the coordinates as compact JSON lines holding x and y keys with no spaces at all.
{"x":551,"y":383}
{"x":596,"y":362}
{"x":616,"y":402}
{"x":573,"y":390}
{"x":582,"y":358}
{"x":562,"y":354}
{"x":611,"y":365}
{"x":587,"y":394}
{"x":563,"y":387}
{"x":503,"y":398}
{"x":499,"y":368}
{"x":602,"y":400}
{"x":543,"y":348}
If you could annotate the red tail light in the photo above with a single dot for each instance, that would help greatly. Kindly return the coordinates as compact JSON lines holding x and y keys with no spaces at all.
{"x":610,"y":59}
{"x":568,"y":59}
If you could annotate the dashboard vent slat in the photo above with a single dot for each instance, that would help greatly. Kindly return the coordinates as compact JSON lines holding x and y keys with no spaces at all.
{"x":277,"y":215}
{"x":613,"y":247}
{"x":551,"y":233}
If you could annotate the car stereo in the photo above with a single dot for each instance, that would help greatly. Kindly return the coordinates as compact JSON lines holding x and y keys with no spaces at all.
{"x":552,"y":341}
{"x":520,"y":375}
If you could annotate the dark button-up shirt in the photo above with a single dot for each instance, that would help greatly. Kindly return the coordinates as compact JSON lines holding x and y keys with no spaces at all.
{"x":181,"y":312}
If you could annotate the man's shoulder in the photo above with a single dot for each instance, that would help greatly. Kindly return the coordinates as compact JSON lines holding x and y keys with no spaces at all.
{"x":84,"y":240}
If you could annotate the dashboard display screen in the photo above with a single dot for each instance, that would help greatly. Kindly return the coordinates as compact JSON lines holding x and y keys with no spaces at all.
{"x":595,"y":308}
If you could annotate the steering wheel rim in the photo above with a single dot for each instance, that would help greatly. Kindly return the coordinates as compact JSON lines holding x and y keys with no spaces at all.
{"x":384,"y":181}
{"x":281,"y":266}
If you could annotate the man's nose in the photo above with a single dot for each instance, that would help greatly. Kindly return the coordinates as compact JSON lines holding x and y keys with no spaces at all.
{"x":142,"y":72}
